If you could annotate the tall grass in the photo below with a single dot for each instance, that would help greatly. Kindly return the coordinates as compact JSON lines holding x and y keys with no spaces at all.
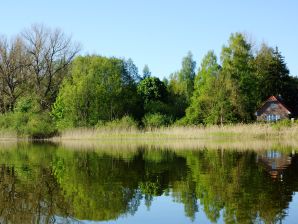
{"x":238,"y":131}
{"x":238,"y":137}
{"x":8,"y":135}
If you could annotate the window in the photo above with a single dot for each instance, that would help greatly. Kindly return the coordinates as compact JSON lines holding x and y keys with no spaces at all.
{"x":273,"y":105}
{"x":272,"y":117}
{"x":269,"y":117}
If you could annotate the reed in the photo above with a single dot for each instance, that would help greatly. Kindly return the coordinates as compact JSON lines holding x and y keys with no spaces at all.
{"x":238,"y":131}
{"x":8,"y":135}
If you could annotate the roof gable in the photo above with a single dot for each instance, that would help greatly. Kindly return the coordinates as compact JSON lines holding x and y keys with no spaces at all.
{"x":269,"y":101}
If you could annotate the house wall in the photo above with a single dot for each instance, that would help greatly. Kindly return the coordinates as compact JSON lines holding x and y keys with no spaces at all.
{"x":272,"y":108}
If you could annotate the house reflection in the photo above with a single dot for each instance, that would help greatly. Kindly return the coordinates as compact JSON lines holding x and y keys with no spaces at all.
{"x":275,"y":162}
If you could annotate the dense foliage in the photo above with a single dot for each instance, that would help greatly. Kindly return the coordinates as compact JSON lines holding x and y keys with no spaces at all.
{"x":232,"y":91}
{"x":100,"y":89}
{"x":82,"y":91}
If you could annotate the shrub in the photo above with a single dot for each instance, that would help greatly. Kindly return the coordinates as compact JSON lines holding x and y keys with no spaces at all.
{"x":282,"y":123}
{"x":152,"y":107}
{"x":184,"y":121}
{"x":39,"y":126}
{"x":28,"y":120}
{"x":156,"y":120}
{"x":32,"y":125}
{"x":6,"y":121}
{"x":125,"y":123}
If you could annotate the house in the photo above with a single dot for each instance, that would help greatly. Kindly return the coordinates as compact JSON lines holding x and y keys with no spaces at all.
{"x":273,"y":109}
{"x":275,"y":163}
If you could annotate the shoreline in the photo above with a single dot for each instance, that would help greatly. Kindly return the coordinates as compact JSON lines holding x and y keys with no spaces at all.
{"x":240,"y":136}
{"x":251,"y":131}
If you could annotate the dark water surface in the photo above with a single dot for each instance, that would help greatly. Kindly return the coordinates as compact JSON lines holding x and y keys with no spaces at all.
{"x":43,"y":183}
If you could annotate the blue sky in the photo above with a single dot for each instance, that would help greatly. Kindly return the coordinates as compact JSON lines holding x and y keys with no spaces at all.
{"x":160,"y":32}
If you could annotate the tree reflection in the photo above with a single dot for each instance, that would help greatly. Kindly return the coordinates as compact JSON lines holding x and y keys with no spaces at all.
{"x":236,"y":184}
{"x":40,"y":183}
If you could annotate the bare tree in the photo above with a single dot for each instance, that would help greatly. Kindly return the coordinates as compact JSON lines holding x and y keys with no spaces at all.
{"x":13,"y":72}
{"x":51,"y":53}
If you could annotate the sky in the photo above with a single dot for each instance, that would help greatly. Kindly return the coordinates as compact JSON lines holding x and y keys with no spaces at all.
{"x":159,"y":33}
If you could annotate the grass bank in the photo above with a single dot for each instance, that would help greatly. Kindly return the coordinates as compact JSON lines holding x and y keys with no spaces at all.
{"x":237,"y":131}
{"x":8,"y":135}
{"x":238,"y":137}
{"x":232,"y":137}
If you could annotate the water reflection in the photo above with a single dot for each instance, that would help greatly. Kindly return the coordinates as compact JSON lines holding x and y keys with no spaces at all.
{"x":50,"y":184}
{"x":275,"y":162}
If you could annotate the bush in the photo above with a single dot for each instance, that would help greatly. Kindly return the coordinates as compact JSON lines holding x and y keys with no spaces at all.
{"x":125,"y":123}
{"x":182,"y":122}
{"x":153,"y":107}
{"x":282,"y":123}
{"x":6,"y":121}
{"x":28,"y":120}
{"x":156,"y":120}
{"x":32,"y":125}
{"x":39,"y":126}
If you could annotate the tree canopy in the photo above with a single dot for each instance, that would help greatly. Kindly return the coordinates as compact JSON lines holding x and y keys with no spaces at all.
{"x":99,"y":89}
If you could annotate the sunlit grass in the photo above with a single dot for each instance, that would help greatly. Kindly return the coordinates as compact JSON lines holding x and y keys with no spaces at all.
{"x":187,"y":138}
{"x":193,"y":132}
{"x":8,"y":135}
{"x":240,"y":136}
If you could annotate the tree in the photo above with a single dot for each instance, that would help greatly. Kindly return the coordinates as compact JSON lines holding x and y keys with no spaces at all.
{"x":181,"y":86}
{"x":271,"y":72}
{"x":152,"y":88}
{"x":146,"y":72}
{"x":273,"y":76}
{"x":222,"y":109}
{"x":186,"y":76}
{"x":50,"y":53}
{"x":99,"y":89}
{"x":204,"y":96}
{"x":13,"y":72}
{"x":239,"y":77}
{"x":154,"y":95}
{"x":131,"y":71}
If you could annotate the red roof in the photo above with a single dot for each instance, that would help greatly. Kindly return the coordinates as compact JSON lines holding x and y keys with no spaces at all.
{"x":274,"y":98}
{"x":279,"y":100}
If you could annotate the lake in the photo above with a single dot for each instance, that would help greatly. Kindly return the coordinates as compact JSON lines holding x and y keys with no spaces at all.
{"x":50,"y":183}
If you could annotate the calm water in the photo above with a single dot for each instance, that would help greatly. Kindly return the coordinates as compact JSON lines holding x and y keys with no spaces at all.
{"x":42,"y":183}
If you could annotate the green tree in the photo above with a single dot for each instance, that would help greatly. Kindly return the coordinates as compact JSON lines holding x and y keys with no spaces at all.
{"x":99,"y":88}
{"x":222,"y":110}
{"x":132,"y":72}
{"x":239,"y":77}
{"x":154,"y":95}
{"x":273,"y":76}
{"x":271,"y":72}
{"x":186,"y":75}
{"x":152,"y":88}
{"x":182,"y":82}
{"x":181,"y":85}
{"x":204,"y":96}
{"x":146,"y":72}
